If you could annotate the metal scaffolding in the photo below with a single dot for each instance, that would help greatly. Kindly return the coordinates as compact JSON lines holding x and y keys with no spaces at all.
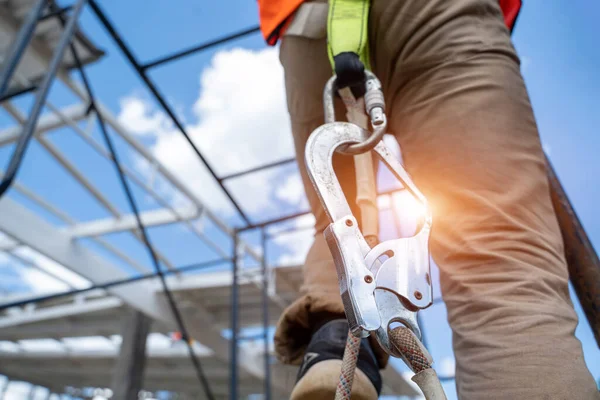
{"x":109,"y":287}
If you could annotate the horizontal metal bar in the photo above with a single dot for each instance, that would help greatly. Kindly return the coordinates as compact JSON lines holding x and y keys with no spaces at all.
{"x":17,"y":92}
{"x":150,"y":218}
{"x":131,"y":175}
{"x":200,"y":47}
{"x":187,"y":268}
{"x":292,"y":229}
{"x":146,"y":154}
{"x":273,"y":221}
{"x":77,"y":175}
{"x":46,"y":123}
{"x":257,"y":169}
{"x":30,"y":263}
{"x":299,"y":214}
{"x":41,"y":202}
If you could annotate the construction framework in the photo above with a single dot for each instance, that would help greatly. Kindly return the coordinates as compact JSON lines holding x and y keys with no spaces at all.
{"x":72,"y":52}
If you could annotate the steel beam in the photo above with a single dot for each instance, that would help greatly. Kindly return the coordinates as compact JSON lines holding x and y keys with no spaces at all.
{"x":200,"y":47}
{"x":25,"y":227}
{"x":148,"y":156}
{"x":127,"y":222}
{"x":161,"y":100}
{"x":46,"y":123}
{"x":74,"y":354}
{"x":233,"y":352}
{"x":60,"y":311}
{"x":8,"y":244}
{"x":83,"y":181}
{"x":29,"y":127}
{"x":18,"y":46}
{"x":23,"y":301}
{"x":265,"y":315}
{"x":258,"y":169}
{"x":17,"y":92}
{"x":31,"y":264}
{"x":128,"y":373}
{"x":133,"y":176}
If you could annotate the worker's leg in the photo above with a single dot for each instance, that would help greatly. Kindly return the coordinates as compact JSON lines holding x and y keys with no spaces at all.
{"x":307,"y":70}
{"x":460,"y":110}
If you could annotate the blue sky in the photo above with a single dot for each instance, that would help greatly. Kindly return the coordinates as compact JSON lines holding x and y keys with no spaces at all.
{"x":560,"y":63}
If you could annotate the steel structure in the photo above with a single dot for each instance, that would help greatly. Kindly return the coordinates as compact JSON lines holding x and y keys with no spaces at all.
{"x":42,"y":43}
{"x":96,"y":306}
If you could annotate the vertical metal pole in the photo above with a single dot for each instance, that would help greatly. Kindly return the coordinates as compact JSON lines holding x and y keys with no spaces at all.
{"x":265,"y":312}
{"x":233,"y":374}
{"x":18,"y":46}
{"x":128,"y":372}
{"x":40,"y":99}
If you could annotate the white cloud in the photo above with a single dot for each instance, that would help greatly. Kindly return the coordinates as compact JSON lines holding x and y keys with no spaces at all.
{"x":305,"y":221}
{"x":292,"y":191}
{"x":295,"y":246}
{"x":135,"y":117}
{"x":240,"y":121}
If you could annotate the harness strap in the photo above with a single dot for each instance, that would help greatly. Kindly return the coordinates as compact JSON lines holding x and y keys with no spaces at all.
{"x":348,"y":42}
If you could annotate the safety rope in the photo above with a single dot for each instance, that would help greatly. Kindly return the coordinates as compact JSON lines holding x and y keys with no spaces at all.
{"x":414,"y":354}
{"x":418,"y":359}
{"x":344,"y":387}
{"x":406,"y":343}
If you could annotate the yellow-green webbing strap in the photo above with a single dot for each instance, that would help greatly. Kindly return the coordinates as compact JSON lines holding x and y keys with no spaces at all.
{"x":347,"y":29}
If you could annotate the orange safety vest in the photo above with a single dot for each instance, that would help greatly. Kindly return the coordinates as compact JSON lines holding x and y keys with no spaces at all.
{"x":275,"y":15}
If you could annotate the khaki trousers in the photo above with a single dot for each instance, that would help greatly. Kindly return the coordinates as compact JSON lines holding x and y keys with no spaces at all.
{"x":458,"y":106}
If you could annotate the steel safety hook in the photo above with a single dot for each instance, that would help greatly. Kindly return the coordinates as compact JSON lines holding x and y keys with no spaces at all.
{"x":374,"y":293}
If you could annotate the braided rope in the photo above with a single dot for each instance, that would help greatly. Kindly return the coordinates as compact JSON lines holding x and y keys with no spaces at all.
{"x":406,"y":342}
{"x":344,"y":387}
